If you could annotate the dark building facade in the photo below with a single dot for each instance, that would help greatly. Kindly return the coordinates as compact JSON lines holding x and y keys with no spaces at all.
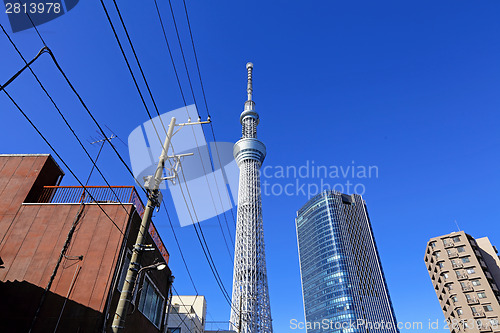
{"x":76,"y":243}
{"x":343,"y":283}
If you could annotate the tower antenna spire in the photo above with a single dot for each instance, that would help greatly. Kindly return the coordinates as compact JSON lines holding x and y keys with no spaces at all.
{"x":249,"y":84}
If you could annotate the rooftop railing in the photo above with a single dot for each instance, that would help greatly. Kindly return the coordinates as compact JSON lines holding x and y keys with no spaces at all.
{"x":91,"y":194}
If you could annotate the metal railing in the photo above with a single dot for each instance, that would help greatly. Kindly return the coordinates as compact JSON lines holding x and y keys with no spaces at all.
{"x":91,"y":194}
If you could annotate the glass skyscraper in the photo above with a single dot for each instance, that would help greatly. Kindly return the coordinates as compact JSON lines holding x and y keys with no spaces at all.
{"x":343,"y":284}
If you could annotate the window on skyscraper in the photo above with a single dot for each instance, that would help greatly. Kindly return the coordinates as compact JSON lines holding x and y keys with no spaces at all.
{"x":476,"y":282}
{"x":487,"y":308}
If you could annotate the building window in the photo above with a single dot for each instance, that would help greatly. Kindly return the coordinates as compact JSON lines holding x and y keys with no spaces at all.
{"x":460,"y":311}
{"x":476,"y":282}
{"x":433,"y":244}
{"x":124,"y":271}
{"x":174,"y":330}
{"x":456,"y":239}
{"x":437,"y":254}
{"x":461,"y":249}
{"x":473,"y":309}
{"x":470,"y":271}
{"x":494,"y":322}
{"x":465,"y":260}
{"x":487,"y":308}
{"x":151,"y":302}
{"x":440,"y":264}
{"x":445,"y":275}
{"x":454,"y":299}
{"x":481,"y":295}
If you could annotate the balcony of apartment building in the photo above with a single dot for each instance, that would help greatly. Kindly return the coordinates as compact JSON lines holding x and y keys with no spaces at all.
{"x":461,"y":275}
{"x":478,"y":313}
{"x":452,"y":253}
{"x":448,"y":243}
{"x":466,"y":287}
{"x":471,"y":300}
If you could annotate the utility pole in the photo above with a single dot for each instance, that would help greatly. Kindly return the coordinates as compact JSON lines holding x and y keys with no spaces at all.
{"x":154,"y":199}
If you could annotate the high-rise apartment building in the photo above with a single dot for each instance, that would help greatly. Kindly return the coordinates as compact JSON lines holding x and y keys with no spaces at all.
{"x":465,"y":274}
{"x":343,"y":284}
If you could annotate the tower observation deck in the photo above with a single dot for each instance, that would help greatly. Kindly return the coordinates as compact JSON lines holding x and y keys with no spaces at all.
{"x":250,"y":312}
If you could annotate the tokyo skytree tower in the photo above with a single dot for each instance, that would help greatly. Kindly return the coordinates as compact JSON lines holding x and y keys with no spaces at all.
{"x":251,"y":311}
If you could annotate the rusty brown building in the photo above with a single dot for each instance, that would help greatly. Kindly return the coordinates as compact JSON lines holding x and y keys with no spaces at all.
{"x":37,"y":218}
{"x":465,"y":274}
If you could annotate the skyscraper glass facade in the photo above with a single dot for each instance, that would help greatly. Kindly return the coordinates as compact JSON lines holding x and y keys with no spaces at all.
{"x":343,"y":284}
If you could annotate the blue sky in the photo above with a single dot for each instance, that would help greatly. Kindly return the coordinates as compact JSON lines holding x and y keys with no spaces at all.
{"x":408,"y":86}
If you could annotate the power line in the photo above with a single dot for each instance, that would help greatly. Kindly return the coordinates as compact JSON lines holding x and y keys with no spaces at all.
{"x":59,"y":156}
{"x":207,"y":252}
{"x":139,"y":64}
{"x":203,"y":89}
{"x":196,"y":141}
{"x":203,"y":243}
{"x":123,"y":53}
{"x":81,"y":100}
{"x":145,"y":80}
{"x":94,"y":163}
{"x":88,"y":111}
{"x":129,"y":69}
{"x":76,"y":136}
{"x":179,"y":247}
{"x":33,"y":24}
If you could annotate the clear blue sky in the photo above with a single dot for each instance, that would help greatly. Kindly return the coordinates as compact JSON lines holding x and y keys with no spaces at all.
{"x":408,"y":86}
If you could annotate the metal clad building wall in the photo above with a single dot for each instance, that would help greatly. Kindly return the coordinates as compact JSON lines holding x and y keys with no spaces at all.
{"x":33,"y":244}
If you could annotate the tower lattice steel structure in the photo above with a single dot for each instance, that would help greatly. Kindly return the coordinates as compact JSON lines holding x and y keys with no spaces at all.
{"x":251,"y":311}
